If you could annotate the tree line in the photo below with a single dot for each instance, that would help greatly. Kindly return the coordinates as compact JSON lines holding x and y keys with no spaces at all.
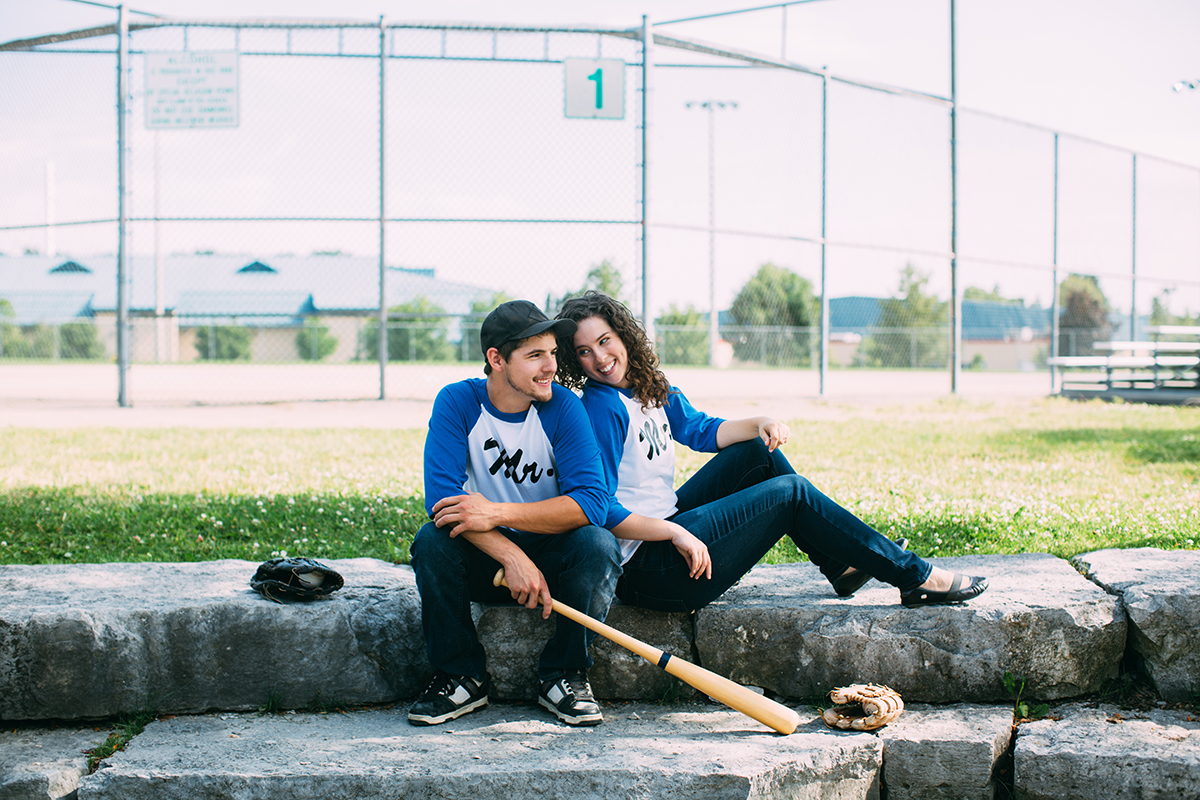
{"x":773,"y":321}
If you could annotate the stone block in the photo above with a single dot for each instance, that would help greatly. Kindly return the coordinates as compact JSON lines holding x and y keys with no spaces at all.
{"x":945,"y":752}
{"x":1085,"y":753}
{"x":45,"y":763}
{"x":513,"y":637}
{"x":1160,"y":590}
{"x":93,"y":640}
{"x":784,"y":629}
{"x":514,"y":752}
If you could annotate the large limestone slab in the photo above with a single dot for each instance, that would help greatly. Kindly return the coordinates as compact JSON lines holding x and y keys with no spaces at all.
{"x":93,"y":640}
{"x":1089,"y":753}
{"x":513,"y":637}
{"x":784,"y":629}
{"x":1160,"y":590}
{"x":45,"y":763}
{"x":511,"y":752}
{"x":945,"y":752}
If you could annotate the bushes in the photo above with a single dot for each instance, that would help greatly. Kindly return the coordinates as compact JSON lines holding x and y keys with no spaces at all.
{"x":75,"y":340}
{"x":313,"y":341}
{"x":682,"y":337}
{"x":223,"y":343}
{"x":418,"y":332}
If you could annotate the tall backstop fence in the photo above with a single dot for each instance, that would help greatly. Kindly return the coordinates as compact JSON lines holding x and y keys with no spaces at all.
{"x":363,"y":192}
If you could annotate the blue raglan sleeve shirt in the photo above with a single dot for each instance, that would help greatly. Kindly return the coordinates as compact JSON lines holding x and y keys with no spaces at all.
{"x":690,"y":427}
{"x":576,"y":454}
{"x":454,"y":413}
{"x":610,"y":421}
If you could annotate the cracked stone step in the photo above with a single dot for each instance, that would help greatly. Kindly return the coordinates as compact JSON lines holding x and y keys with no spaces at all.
{"x":510,"y":751}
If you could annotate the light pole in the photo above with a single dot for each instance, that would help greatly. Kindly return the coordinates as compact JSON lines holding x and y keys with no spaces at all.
{"x":712,"y":106}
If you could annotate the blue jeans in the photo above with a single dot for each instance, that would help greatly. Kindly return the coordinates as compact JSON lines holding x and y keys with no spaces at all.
{"x":581,"y":568}
{"x":743,"y":501}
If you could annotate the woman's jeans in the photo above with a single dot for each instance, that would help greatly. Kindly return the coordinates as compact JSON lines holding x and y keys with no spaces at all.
{"x":743,"y":501}
{"x":581,"y":568}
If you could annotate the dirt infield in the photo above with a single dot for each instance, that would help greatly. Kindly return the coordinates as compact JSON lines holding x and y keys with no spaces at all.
{"x":346,"y":396}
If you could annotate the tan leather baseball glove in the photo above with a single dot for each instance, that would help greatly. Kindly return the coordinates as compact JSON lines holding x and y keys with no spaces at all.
{"x":862,"y":707}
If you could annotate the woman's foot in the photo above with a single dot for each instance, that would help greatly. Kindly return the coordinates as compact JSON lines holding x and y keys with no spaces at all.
{"x":944,"y":586}
{"x":852,"y":579}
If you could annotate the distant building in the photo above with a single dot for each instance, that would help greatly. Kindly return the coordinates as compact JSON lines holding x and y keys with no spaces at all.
{"x":271,"y":296}
{"x":1002,"y":336}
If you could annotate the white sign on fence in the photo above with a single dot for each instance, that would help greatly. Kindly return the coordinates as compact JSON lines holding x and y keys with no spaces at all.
{"x":595,"y":88}
{"x":192,"y":90}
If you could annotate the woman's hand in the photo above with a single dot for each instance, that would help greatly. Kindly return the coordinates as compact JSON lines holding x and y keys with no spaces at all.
{"x":772,"y":432}
{"x":694,"y":551}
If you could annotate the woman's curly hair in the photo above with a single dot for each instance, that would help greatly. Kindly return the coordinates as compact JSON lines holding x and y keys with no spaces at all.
{"x":648,"y":384}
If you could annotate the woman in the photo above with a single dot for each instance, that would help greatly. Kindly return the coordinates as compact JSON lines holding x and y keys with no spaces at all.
{"x":682,"y":549}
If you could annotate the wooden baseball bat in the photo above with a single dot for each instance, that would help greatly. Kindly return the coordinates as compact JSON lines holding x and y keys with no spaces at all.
{"x":774,"y":715}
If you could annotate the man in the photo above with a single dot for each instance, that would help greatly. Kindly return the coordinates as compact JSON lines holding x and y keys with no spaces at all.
{"x":513,"y":479}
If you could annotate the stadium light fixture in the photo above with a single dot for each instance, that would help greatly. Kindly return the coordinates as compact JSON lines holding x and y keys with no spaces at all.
{"x":712,"y":106}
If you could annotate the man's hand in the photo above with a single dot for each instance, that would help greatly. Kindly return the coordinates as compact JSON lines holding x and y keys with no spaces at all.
{"x":527,"y":584}
{"x":466,"y":512}
{"x":694,"y":551}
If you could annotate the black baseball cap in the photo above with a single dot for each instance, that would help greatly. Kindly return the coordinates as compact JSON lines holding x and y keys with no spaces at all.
{"x":519,"y":319}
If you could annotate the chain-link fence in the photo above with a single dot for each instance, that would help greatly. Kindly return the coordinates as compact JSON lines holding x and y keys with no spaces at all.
{"x":284,"y":189}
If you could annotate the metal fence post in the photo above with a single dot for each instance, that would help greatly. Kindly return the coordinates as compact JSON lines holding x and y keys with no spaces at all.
{"x":122,"y":233}
{"x":383,"y":333}
{"x":1054,"y":275}
{"x":647,"y":74}
{"x":955,"y":301}
{"x":1133,"y":261}
{"x":824,"y":367}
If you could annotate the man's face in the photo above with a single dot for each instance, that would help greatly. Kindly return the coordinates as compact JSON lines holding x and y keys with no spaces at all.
{"x":530,"y":369}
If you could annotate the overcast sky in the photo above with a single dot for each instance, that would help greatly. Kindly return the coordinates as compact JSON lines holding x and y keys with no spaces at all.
{"x":1099,"y":69}
{"x":1102,"y":69}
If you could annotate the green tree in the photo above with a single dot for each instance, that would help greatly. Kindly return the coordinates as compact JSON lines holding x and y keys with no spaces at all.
{"x":37,"y":341}
{"x":603,"y":277}
{"x":682,"y":337}
{"x":994,"y":296}
{"x":79,"y":340}
{"x":314,"y":342}
{"x":1160,"y":313}
{"x":418,"y":330}
{"x":911,"y":330}
{"x":1083,"y":315}
{"x":768,"y":309}
{"x":10,"y":334}
{"x":469,"y":349}
{"x":223,"y":343}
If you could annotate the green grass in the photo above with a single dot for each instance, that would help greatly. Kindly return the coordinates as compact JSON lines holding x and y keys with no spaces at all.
{"x":126,"y":728}
{"x":955,"y":477}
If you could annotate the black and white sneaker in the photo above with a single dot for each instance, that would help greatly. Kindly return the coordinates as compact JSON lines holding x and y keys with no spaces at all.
{"x":570,"y":699}
{"x":449,"y":697}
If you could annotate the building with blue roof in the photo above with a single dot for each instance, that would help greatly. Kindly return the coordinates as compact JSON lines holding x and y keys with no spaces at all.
{"x":272,"y":296}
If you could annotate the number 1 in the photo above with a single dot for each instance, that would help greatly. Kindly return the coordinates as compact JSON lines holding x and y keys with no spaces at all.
{"x":598,"y":77}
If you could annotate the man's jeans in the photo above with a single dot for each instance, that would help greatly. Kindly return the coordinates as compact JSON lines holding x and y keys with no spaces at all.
{"x":743,"y":501}
{"x":581,"y":568}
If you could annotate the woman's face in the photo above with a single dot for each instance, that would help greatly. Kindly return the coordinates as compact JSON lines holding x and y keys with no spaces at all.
{"x":601,"y":352}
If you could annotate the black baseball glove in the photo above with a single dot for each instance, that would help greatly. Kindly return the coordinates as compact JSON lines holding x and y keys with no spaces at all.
{"x":294,"y":578}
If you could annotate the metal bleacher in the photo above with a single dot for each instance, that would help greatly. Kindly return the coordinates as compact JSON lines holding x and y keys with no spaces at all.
{"x":1163,"y":371}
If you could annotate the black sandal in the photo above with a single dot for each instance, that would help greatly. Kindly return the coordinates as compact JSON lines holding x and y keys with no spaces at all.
{"x":846,"y":585}
{"x":957,"y":593}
